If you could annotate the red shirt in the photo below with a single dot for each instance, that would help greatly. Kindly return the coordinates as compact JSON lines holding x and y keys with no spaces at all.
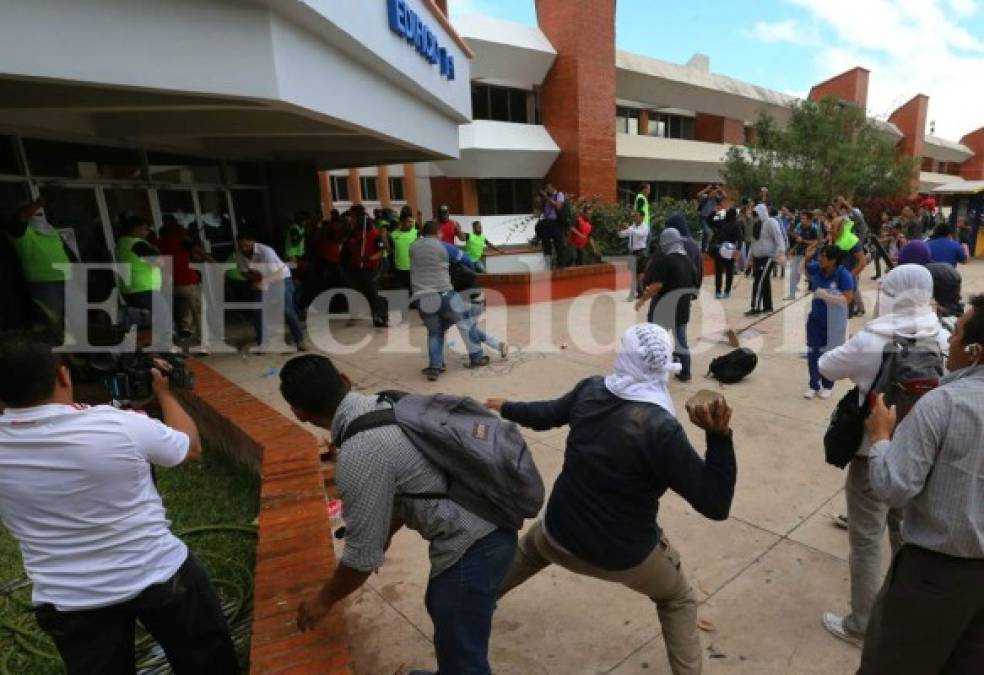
{"x":174,"y":246}
{"x":356,"y":249}
{"x":449,"y":228}
{"x":327,"y":243}
{"x":579,"y":238}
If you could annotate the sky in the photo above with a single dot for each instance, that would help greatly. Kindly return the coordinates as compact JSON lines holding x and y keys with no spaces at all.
{"x":932,"y":47}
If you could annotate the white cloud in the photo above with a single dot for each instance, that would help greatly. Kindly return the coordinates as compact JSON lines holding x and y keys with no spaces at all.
{"x":775,"y":31}
{"x":963,"y":8}
{"x":911,"y":47}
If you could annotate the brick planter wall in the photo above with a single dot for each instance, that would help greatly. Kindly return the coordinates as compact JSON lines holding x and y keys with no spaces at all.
{"x":294,"y":551}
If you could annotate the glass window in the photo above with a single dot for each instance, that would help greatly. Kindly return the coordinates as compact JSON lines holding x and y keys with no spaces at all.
{"x":215,"y":228}
{"x":499,"y":104}
{"x":252,"y":214}
{"x":505,"y":196}
{"x":486,"y":197}
{"x":181,"y":169}
{"x":75,"y":160}
{"x":480,"y":102}
{"x":122,"y":203}
{"x":339,"y":188}
{"x":8,"y":157}
{"x":12,"y":195}
{"x":626,"y":121}
{"x":517,"y":106}
{"x":396,"y":189}
{"x":369,"y":191}
{"x":245,"y":173}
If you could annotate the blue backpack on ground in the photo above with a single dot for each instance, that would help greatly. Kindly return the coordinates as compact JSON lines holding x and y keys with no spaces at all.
{"x":489,"y":468}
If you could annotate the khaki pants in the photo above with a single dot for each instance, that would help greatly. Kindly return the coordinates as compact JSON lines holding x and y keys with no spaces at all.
{"x":188,"y":310}
{"x":658,"y":577}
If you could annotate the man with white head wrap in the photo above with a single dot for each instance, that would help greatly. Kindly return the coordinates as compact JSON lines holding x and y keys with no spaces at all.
{"x":625,"y":449}
{"x":904,"y":310}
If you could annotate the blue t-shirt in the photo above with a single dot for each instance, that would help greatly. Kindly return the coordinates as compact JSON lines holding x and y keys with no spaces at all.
{"x":817,"y":322}
{"x":946,"y":250}
{"x":456,"y":255}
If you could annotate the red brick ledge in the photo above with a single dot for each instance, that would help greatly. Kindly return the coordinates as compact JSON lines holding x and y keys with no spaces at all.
{"x":294,"y":551}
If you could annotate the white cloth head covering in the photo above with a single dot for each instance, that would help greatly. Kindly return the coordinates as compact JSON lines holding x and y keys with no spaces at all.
{"x":643,"y":366}
{"x":904,"y":304}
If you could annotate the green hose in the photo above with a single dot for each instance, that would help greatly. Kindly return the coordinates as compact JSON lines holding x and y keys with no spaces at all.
{"x":16,"y":614}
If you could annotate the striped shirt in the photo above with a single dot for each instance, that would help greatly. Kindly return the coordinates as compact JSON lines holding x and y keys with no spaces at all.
{"x":374,"y":468}
{"x":934,"y":468}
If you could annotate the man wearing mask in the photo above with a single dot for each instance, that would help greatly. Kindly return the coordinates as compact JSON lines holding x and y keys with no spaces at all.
{"x":42,"y":252}
{"x":929,"y":616}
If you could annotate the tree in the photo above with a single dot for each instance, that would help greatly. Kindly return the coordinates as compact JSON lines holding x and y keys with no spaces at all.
{"x":828,"y":148}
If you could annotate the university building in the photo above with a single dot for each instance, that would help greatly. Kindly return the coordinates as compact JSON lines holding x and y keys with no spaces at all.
{"x":549,"y":103}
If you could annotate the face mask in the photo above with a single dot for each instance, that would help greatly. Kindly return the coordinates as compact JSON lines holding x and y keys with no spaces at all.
{"x":40,"y":223}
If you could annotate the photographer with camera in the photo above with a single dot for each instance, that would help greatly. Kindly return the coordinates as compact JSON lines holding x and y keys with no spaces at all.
{"x":77,"y":493}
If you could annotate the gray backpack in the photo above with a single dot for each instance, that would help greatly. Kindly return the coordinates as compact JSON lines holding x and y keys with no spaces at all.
{"x":489,"y":468}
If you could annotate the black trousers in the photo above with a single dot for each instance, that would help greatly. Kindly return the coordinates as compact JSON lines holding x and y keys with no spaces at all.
{"x":183,"y":614}
{"x":879,"y":253}
{"x":367,"y":282}
{"x":928,"y":618}
{"x":724,"y":269}
{"x":552,"y":238}
{"x":762,"y":286}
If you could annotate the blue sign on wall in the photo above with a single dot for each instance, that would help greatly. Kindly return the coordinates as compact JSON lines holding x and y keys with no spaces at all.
{"x":407,"y":24}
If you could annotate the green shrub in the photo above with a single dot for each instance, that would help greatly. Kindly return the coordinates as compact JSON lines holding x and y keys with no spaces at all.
{"x":608,"y":219}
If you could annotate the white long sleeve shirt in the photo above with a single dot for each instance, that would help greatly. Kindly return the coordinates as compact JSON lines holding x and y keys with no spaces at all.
{"x":638,"y":236}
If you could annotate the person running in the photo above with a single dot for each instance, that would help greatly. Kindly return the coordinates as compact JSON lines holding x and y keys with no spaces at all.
{"x":475,"y":244}
{"x":728,"y":235}
{"x":904,"y":300}
{"x":625,"y":449}
{"x":826,"y":325}
{"x":379,"y":474}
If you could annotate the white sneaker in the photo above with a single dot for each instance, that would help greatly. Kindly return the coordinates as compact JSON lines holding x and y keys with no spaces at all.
{"x":810,"y":393}
{"x":826,"y":393}
{"x":834,"y":623}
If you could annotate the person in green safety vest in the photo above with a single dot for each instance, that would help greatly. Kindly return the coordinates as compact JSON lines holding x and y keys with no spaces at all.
{"x":42,"y":254}
{"x":641,"y":202}
{"x":141,"y":289}
{"x":402,"y":237}
{"x":475,"y":244}
{"x":294,"y":245}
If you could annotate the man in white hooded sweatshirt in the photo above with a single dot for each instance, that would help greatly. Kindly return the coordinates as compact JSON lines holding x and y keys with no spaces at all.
{"x":768,"y":249}
{"x":904,"y":310}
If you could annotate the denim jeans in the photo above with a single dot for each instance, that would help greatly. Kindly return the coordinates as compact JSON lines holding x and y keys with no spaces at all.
{"x":813,"y":355}
{"x":290,"y":312}
{"x":441,"y":311}
{"x":461,"y":601}
{"x":682,"y":350}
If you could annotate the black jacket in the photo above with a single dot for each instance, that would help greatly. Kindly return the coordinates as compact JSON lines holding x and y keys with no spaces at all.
{"x":621,"y":457}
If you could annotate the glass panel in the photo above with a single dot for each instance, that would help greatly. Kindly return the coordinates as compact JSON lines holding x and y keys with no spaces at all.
{"x":486,"y":197}
{"x":181,"y":169}
{"x":181,"y":205}
{"x":504,"y":197}
{"x":339,"y":188}
{"x":8,"y":156}
{"x":517,"y":106}
{"x":12,"y":196}
{"x":499,"y":104}
{"x":75,"y":160}
{"x":524,"y":195}
{"x":369,"y":192}
{"x":245,"y":173}
{"x":396,"y":188}
{"x":480,"y":102}
{"x":251,"y":215}
{"x":216,"y":226}
{"x":122,"y":203}
{"x":687,"y":128}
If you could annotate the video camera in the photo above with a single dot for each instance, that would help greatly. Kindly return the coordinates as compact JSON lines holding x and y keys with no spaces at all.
{"x":127,"y":377}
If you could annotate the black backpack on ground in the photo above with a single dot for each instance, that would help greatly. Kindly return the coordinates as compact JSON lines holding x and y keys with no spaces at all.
{"x":489,"y":468}
{"x":908,"y":371}
{"x":733,"y":366}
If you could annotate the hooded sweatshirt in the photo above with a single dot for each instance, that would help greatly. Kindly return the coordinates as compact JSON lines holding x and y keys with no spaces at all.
{"x":677,"y":222}
{"x":904,"y":310}
{"x":771,"y":242}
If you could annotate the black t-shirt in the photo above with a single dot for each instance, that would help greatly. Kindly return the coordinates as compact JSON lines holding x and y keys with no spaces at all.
{"x":679,"y":279}
{"x":947,"y":283}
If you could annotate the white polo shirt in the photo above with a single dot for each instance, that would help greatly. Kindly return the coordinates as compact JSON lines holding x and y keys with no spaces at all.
{"x":266,"y":261}
{"x":76,"y":492}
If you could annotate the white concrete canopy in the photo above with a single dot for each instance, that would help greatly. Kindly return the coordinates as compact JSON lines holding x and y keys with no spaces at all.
{"x":928,"y":180}
{"x":944,"y":150}
{"x":668,"y":159}
{"x":502,"y":150}
{"x":960,"y":187}
{"x":265,"y":79}
{"x":506,"y":53}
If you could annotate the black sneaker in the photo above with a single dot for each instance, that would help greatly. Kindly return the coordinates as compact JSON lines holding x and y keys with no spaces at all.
{"x":428,"y":369}
{"x":753,"y":312}
{"x":683,"y":378}
{"x":482,"y":360}
{"x":432,"y":374}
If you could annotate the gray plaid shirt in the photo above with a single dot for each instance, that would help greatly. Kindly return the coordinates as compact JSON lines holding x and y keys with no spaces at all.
{"x":934,"y":468}
{"x":374,"y":468}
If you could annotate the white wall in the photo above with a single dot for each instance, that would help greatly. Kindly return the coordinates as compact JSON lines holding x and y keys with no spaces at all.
{"x":502,"y":230}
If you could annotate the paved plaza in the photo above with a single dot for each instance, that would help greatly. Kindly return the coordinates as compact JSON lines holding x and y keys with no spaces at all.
{"x":764,"y":576}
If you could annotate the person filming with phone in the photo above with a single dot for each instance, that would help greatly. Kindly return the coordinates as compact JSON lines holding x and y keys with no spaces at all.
{"x":77,"y":493}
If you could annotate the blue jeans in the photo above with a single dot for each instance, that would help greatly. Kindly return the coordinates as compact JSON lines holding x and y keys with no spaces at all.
{"x":441,"y":311}
{"x":461,"y":601}
{"x":681,"y":349}
{"x":813,"y":355}
{"x":290,"y":312}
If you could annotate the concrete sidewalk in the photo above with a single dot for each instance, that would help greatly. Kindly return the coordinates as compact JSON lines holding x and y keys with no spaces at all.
{"x":765,"y":575}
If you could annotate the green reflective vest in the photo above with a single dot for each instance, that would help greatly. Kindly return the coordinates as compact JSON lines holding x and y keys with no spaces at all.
{"x":847,"y":239}
{"x":642,"y":204}
{"x":401,"y":247}
{"x":475,"y":246}
{"x":38,"y":254}
{"x":294,"y":246}
{"x":143,"y":275}
{"x":234,"y":273}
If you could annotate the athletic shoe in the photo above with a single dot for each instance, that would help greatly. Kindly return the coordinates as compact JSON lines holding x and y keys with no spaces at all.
{"x":482,"y":360}
{"x":753,"y":312}
{"x":504,"y":350}
{"x":683,"y":378}
{"x":826,"y":393}
{"x":834,"y":623}
{"x":725,"y":296}
{"x":432,"y":374}
{"x":810,"y":393}
{"x":428,"y":369}
{"x":718,"y":295}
